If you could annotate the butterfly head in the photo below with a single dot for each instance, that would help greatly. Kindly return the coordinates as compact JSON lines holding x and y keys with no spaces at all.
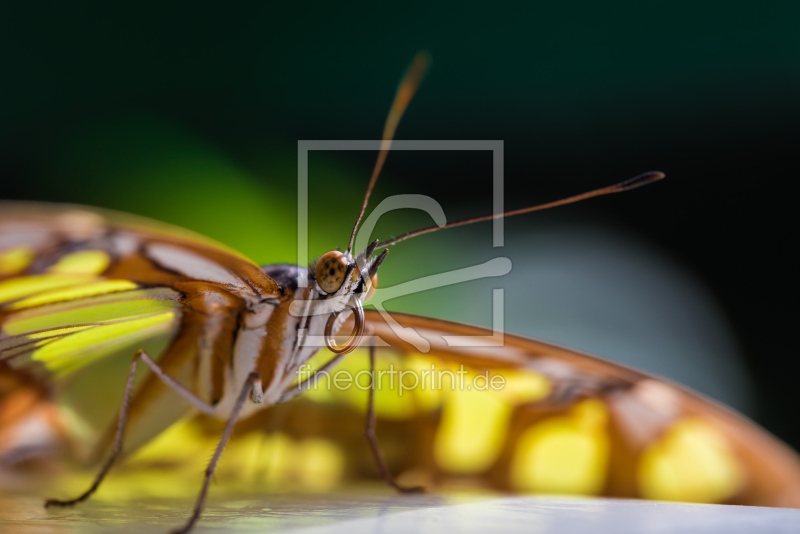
{"x":341,"y":275}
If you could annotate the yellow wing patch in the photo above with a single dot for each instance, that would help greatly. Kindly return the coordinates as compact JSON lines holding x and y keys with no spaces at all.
{"x":39,"y":319}
{"x":692,"y":463}
{"x":73,"y":292}
{"x":80,"y":349}
{"x":82,"y":262}
{"x":71,"y":270}
{"x":566,"y":454}
{"x":24,"y":286}
{"x":473,"y":428}
{"x":69,"y":327}
{"x":16,"y":260}
{"x":476,"y":417}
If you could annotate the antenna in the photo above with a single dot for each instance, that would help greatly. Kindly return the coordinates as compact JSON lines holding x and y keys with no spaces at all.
{"x":405,"y":91}
{"x":632,"y":183}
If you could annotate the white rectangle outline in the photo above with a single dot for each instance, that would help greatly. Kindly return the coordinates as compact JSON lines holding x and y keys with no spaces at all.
{"x":495,"y":146}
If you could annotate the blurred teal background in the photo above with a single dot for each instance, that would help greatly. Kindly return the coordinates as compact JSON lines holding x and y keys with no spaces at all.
{"x":192,"y":115}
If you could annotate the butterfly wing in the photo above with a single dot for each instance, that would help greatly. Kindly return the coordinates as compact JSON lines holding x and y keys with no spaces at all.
{"x":663,"y":441}
{"x":82,"y":289}
{"x":460,"y":405}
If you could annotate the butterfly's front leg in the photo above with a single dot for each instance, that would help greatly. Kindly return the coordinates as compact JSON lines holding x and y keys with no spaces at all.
{"x":123,"y":417}
{"x":252,"y":379}
{"x":369,"y":432}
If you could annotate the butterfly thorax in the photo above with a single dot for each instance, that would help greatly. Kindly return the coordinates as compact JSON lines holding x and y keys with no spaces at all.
{"x":273,"y":340}
{"x":278,"y":335}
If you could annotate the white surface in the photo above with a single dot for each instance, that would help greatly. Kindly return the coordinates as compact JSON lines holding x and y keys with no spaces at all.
{"x":378,"y":513}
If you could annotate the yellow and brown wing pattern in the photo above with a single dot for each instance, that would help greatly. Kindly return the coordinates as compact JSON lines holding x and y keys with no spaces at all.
{"x":82,"y":288}
{"x":559,"y":422}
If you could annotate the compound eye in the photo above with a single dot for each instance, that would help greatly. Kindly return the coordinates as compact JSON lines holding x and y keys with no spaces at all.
{"x":372,"y":287}
{"x":330,"y":271}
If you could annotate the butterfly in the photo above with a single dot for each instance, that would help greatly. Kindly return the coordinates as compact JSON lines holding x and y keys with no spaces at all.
{"x":203,"y":330}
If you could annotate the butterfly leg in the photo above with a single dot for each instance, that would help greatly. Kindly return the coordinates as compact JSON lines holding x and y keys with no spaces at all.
{"x":226,"y":434}
{"x":123,"y":417}
{"x":369,"y":432}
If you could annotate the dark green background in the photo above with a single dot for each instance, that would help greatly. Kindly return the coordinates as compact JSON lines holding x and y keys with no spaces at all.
{"x":191,"y":113}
